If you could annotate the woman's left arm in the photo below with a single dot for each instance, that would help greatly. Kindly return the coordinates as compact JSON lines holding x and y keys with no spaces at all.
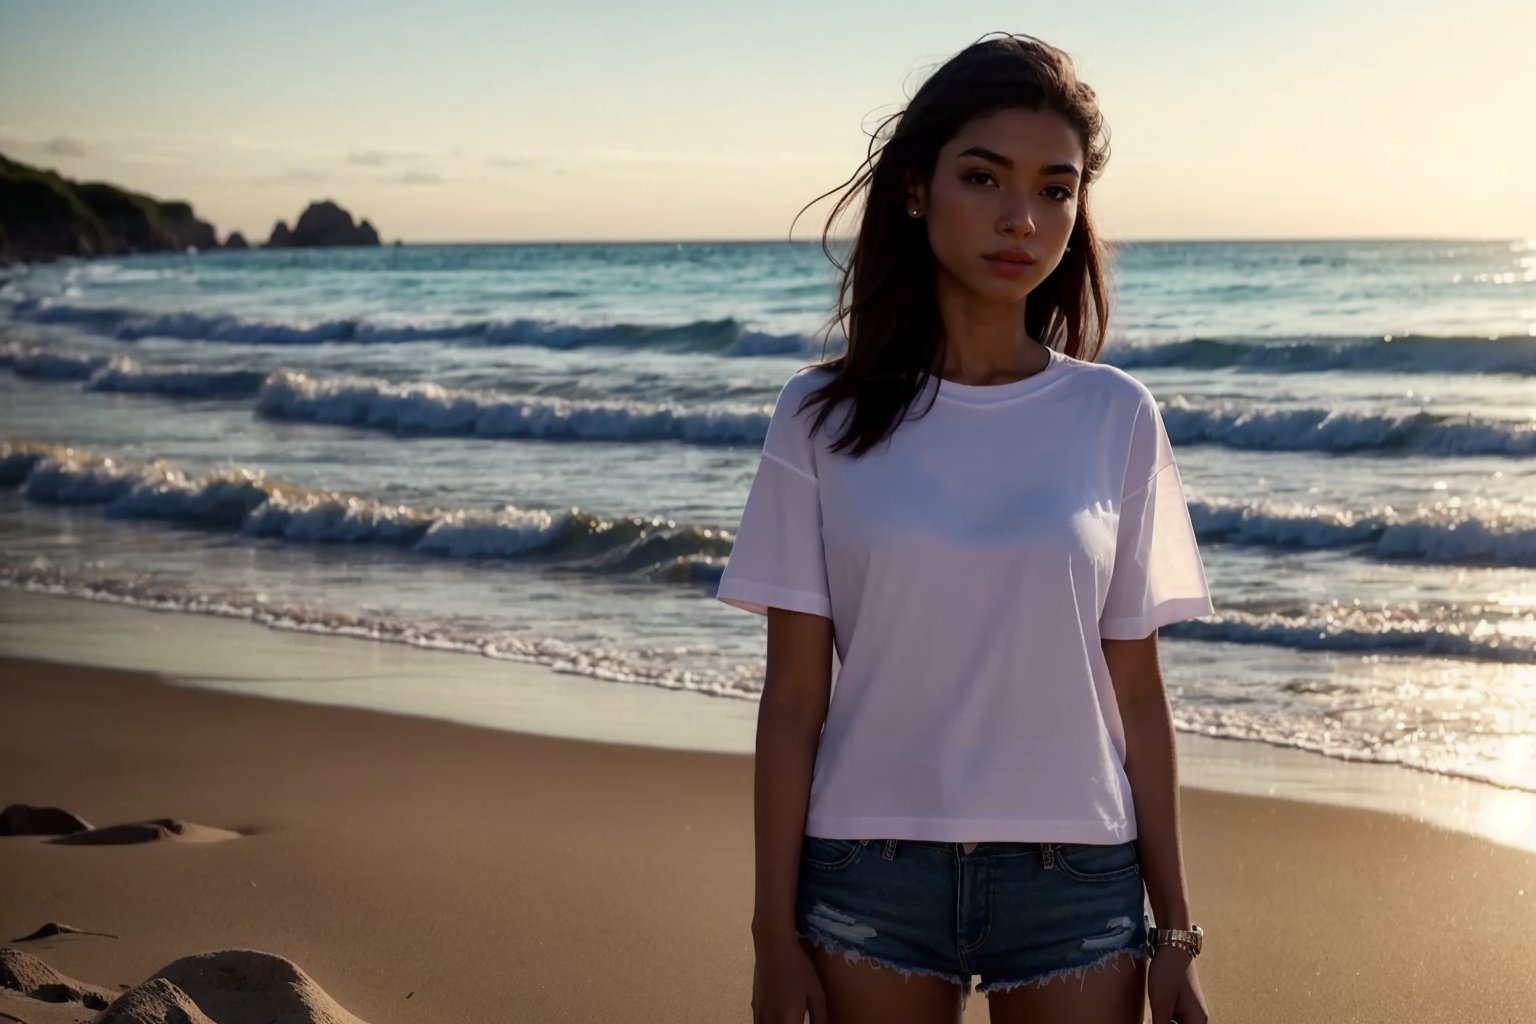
{"x":1151,"y":764}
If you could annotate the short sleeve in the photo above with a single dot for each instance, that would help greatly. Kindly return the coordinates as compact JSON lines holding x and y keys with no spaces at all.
{"x":1158,"y":577}
{"x":777,"y":559}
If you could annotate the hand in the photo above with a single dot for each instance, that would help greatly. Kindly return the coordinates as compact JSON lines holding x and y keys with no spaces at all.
{"x":785,"y":989}
{"x":1173,"y":990}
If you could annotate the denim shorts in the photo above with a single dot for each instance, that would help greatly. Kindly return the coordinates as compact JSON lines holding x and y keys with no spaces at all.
{"x":1014,"y":913}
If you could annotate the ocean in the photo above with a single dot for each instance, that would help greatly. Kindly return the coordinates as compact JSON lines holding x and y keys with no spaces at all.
{"x":538,"y":452}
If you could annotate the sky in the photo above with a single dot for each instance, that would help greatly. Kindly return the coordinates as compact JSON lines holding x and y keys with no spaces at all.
{"x":480,"y":121}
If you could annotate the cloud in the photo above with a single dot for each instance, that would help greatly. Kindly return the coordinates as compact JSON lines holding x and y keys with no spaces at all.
{"x":20,"y":139}
{"x":248,"y":144}
{"x":415,"y":178}
{"x":1192,"y":163}
{"x":158,"y":156}
{"x":593,"y":159}
{"x":378,"y":157}
{"x":61,"y":146}
{"x":295,"y":176}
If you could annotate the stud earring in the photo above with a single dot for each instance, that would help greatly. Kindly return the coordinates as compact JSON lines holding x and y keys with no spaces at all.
{"x":914,"y":212}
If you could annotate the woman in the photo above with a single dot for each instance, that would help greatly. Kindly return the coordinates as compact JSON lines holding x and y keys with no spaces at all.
{"x":988,"y":527}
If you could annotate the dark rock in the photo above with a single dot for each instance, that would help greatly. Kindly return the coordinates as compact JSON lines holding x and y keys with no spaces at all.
{"x":146,"y":832}
{"x":132,"y":832}
{"x":53,"y":928}
{"x":323,"y":224}
{"x":176,"y":217}
{"x":26,"y":820}
{"x":44,"y":216}
{"x":142,"y":224}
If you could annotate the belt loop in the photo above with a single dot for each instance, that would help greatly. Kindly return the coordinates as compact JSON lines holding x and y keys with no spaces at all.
{"x":890,"y":850}
{"x":1048,"y":853}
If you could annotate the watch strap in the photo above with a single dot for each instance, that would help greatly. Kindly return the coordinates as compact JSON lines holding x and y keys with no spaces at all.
{"x":1191,"y":940}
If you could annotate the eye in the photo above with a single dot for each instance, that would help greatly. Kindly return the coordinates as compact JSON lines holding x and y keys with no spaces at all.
{"x":970,"y":175}
{"x":1064,"y":189}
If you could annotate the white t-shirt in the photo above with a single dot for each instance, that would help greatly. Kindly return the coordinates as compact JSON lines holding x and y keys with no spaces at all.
{"x":970,"y":564}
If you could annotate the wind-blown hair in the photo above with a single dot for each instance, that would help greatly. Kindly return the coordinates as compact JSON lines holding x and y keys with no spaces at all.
{"x":887,"y":304}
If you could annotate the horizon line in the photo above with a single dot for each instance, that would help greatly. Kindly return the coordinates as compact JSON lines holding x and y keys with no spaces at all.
{"x":812,"y":241}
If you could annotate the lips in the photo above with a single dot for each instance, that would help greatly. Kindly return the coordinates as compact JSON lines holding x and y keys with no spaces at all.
{"x":1011,"y":256}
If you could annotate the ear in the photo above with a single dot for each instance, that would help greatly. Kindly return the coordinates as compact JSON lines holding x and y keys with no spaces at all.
{"x":915,"y":193}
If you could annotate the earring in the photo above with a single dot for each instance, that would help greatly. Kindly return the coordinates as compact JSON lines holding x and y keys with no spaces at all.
{"x":914,"y":212}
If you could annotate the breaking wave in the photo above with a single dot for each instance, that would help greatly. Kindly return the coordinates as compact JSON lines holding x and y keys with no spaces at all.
{"x":725,"y":337}
{"x":247,"y":502}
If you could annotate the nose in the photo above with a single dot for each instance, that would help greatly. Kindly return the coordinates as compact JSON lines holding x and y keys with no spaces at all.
{"x":1016,"y":221}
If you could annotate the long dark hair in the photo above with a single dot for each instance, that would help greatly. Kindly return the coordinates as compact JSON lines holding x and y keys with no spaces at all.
{"x":887,"y":304}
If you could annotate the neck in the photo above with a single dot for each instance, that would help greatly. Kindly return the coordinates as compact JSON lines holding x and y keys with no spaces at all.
{"x":984,"y":342}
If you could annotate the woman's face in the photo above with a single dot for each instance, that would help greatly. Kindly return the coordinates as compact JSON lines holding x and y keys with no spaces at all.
{"x":1007,"y":182}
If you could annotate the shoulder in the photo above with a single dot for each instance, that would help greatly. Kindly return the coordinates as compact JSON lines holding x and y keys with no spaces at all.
{"x":790,"y":424}
{"x":800,"y":384}
{"x":1109,"y":383}
{"x":1126,"y":410}
{"x":1106,"y":379}
{"x":808,"y":378}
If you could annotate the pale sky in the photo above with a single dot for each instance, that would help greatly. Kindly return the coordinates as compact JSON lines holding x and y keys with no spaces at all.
{"x":489,"y":120}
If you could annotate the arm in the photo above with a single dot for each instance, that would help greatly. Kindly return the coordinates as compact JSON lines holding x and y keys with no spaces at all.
{"x":796,"y":691}
{"x":1151,"y":764}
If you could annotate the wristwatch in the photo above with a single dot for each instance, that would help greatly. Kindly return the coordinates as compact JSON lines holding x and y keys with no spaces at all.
{"x":1189,"y":940}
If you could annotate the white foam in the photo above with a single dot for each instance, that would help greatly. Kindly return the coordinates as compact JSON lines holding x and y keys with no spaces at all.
{"x":656,"y":667}
{"x":1479,"y":530}
{"x":1333,"y":430}
{"x":724,"y":337}
{"x":504,"y":534}
{"x":314,"y":517}
{"x":1407,"y":354}
{"x":124,"y":375}
{"x":433,"y":409}
{"x":243,"y":499}
{"x":230,"y":328}
{"x":1404,"y":630}
{"x":32,"y":361}
{"x":68,"y":478}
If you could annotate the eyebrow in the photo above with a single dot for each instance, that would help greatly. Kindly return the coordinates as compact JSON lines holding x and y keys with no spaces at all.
{"x":1007,"y":164}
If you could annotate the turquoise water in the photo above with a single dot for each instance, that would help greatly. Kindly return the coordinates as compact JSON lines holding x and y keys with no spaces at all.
{"x":539,"y":452}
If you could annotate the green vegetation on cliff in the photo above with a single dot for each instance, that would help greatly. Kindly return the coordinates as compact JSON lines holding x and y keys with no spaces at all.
{"x":44,"y":215}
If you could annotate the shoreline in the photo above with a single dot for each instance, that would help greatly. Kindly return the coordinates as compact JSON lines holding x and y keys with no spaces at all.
{"x":194,"y":650}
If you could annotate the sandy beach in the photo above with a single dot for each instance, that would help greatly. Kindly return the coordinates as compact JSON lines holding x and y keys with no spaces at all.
{"x":427,"y":870}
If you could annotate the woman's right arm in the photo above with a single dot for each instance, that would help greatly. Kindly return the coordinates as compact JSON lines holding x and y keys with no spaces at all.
{"x":797,"y":688}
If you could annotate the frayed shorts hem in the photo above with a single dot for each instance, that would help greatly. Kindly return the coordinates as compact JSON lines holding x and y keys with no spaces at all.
{"x":854,"y":956}
{"x":1110,"y":959}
